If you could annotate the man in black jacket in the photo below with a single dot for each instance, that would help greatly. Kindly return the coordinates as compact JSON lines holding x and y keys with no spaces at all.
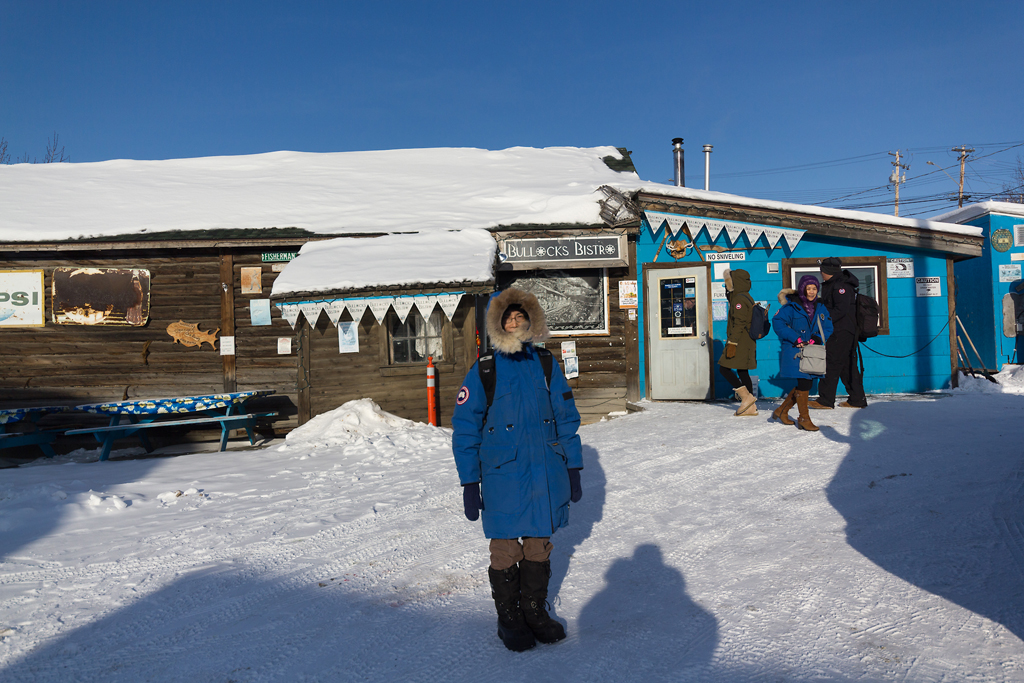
{"x":839,"y":294}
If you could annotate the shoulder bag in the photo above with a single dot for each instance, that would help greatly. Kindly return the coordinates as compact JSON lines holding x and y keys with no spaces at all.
{"x":812,"y":356}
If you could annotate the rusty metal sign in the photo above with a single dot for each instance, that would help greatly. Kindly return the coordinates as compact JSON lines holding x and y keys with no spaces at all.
{"x":100,"y":296}
{"x":189,"y":334}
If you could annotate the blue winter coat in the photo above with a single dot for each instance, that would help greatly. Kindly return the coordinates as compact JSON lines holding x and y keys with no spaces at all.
{"x":791,"y":323}
{"x":522,"y":454}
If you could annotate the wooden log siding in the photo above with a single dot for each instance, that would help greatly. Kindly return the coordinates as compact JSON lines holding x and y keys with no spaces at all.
{"x":74,"y":364}
{"x":603,"y":360}
{"x":400,"y":389}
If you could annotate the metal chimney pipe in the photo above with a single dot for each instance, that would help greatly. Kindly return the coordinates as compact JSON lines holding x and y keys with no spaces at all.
{"x":677,"y":151}
{"x":707,"y":166}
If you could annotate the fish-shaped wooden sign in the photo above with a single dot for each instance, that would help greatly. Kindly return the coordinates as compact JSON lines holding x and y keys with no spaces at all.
{"x":189,"y":334}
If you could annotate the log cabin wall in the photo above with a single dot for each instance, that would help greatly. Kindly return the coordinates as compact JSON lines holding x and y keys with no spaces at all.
{"x":603,"y":360}
{"x":401,"y":389}
{"x":75,"y":364}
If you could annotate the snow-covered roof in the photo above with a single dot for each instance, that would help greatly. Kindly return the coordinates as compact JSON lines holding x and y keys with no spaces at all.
{"x":346,"y":263}
{"x":333,"y":193}
{"x":971,"y":211}
{"x":819,"y":211}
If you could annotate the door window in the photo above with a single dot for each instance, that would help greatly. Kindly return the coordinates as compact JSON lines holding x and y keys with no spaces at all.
{"x":678,"y":301}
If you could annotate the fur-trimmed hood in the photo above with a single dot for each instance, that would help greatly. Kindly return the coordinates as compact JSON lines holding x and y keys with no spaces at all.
{"x":507,"y":342}
{"x":736,"y":280}
{"x":788,"y":294}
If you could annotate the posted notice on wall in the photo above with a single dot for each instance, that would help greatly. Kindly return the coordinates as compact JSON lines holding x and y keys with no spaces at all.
{"x":568,"y":349}
{"x":572,"y":367}
{"x":627,"y":294}
{"x":227,"y":346}
{"x":899,"y":267}
{"x":719,"y":310}
{"x":718,"y":291}
{"x":928,"y":286}
{"x":284,"y":346}
{"x":1009,"y":272}
{"x":348,"y":337}
{"x":259,"y":312}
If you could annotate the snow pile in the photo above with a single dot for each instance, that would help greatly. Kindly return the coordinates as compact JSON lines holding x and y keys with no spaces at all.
{"x":1010,"y":381}
{"x":351,"y":423}
{"x":333,"y":194}
{"x":402,"y":259}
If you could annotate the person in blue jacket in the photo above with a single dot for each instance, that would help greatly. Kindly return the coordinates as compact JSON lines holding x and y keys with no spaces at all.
{"x":796,"y":324}
{"x":519,"y":463}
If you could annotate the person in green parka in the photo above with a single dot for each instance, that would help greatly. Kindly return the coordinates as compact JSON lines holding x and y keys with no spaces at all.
{"x":740,"y":355}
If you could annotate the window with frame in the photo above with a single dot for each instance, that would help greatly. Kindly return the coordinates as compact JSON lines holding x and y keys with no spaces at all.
{"x":417,"y":338}
{"x":870,"y":271}
{"x":575,"y":301}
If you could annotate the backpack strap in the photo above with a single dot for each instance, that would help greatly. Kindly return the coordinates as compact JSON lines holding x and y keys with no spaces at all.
{"x":546,"y":362}
{"x":485,"y":367}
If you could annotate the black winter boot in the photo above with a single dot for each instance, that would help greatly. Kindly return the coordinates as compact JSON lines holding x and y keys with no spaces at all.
{"x":534,"y":581}
{"x":512,"y":628}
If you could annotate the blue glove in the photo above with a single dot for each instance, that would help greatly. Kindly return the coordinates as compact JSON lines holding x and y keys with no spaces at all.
{"x":575,"y":490}
{"x":471,"y":501}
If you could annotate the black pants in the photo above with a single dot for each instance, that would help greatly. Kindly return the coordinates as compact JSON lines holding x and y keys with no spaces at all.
{"x":737,"y":378}
{"x":841,"y":364}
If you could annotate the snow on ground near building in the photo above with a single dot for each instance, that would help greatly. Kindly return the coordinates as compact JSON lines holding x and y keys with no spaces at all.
{"x":398,"y":259}
{"x":888,"y":546}
{"x":337,"y":193}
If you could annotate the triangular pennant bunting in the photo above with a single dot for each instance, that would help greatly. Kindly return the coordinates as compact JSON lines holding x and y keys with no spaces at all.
{"x":311,"y":310}
{"x":773,"y":235}
{"x":290,"y":312}
{"x":675,"y":223}
{"x":654,"y":220}
{"x":754,"y":233}
{"x":425,"y":304}
{"x":734,"y":232}
{"x":402,"y":306}
{"x":792,"y":238}
{"x":356,"y":308}
{"x":334,"y":309}
{"x":379,"y":308}
{"x":449,"y":302}
{"x":714,"y":229}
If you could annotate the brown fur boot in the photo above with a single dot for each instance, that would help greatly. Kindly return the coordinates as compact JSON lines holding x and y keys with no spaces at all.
{"x":782,"y":412}
{"x":804,"y":421}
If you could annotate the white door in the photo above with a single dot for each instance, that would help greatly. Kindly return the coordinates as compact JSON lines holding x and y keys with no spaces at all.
{"x":678,"y":333}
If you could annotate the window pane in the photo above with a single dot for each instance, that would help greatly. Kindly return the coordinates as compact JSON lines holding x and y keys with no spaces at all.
{"x":416,"y":339}
{"x":866,"y":275}
{"x":401,"y":351}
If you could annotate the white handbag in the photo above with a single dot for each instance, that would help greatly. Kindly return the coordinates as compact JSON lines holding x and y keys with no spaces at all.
{"x":812,"y":357}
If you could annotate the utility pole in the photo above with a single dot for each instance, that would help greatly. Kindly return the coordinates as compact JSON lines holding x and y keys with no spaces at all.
{"x":963,"y":151}
{"x":895,"y":178}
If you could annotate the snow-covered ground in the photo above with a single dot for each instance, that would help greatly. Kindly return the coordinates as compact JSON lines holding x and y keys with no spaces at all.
{"x":888,"y":546}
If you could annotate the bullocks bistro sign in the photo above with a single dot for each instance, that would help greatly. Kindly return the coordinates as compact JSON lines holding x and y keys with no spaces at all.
{"x":564,"y":252}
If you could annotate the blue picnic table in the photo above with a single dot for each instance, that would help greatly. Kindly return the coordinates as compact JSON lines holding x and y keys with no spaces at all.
{"x":227,"y":409}
{"x":34,"y":435}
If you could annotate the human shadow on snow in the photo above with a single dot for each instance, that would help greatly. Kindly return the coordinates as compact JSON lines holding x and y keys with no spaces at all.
{"x":643,"y":626}
{"x":940,"y":504}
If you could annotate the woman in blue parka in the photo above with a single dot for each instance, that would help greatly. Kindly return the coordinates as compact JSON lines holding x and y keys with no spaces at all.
{"x":519,"y":462}
{"x":796,"y":324}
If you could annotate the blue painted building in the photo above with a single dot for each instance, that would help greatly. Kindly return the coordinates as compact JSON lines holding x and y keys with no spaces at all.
{"x":688,"y":237}
{"x":987,"y":284}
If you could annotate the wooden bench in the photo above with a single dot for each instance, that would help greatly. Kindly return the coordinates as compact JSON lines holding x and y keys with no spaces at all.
{"x":107,"y":435}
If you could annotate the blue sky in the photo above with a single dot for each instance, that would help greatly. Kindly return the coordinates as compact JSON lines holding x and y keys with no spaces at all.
{"x":770,"y":85}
